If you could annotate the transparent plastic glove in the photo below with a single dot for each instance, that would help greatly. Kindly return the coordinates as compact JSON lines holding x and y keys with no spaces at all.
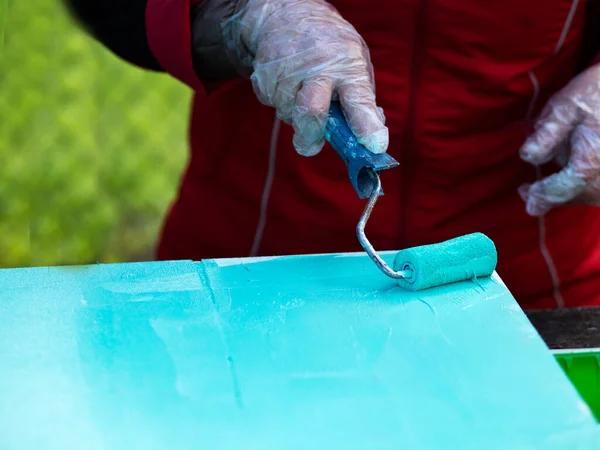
{"x":301,"y":54}
{"x":569,"y":133}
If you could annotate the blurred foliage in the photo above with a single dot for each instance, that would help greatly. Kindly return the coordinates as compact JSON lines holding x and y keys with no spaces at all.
{"x":3,"y":4}
{"x":91,"y":148}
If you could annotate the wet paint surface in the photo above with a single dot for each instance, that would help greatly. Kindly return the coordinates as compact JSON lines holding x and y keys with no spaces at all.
{"x":319,"y":352}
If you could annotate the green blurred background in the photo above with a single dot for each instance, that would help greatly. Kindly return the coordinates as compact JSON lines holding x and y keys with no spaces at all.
{"x":91,"y":149}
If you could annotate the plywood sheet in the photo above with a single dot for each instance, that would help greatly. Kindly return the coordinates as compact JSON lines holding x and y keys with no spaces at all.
{"x":315,"y":352}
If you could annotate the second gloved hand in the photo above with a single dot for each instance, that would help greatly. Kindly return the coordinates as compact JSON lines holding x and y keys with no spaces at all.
{"x":300,"y":54}
{"x":569,"y":133}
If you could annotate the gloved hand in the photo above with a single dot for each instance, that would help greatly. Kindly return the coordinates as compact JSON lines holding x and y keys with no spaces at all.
{"x":568,"y":132}
{"x":302,"y":52}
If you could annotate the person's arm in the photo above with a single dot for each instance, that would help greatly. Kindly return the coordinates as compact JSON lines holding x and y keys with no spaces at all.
{"x":299,"y":54}
{"x":119,"y":25}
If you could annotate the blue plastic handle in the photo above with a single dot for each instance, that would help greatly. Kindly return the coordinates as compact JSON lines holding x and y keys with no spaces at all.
{"x":362,"y":164}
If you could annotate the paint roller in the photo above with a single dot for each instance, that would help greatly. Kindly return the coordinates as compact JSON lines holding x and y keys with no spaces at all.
{"x":463,"y":258}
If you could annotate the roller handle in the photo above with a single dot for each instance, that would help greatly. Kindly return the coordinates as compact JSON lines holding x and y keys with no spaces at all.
{"x":363,"y":165}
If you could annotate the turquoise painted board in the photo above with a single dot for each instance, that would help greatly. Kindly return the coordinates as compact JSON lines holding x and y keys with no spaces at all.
{"x":315,"y":352}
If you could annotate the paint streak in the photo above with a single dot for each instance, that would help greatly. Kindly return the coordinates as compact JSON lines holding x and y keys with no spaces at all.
{"x":237,"y":392}
{"x":437,"y":321}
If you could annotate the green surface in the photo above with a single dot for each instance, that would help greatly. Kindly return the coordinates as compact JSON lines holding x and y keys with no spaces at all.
{"x":91,"y":148}
{"x":583,"y":368}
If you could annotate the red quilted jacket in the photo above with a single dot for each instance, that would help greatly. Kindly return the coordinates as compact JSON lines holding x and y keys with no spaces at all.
{"x":460,"y":82}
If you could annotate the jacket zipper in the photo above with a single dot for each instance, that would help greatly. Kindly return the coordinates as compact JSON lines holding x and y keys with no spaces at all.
{"x":408,"y":153}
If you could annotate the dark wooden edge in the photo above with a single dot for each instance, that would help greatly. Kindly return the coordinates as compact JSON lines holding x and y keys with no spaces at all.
{"x":573,"y":328}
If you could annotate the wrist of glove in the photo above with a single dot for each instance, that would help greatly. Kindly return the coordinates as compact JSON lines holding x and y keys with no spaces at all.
{"x":567,"y":132}
{"x":300,"y":54}
{"x":212,"y":61}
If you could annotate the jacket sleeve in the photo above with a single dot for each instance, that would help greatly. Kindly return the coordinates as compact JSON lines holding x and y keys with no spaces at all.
{"x":169,"y":33}
{"x":181,"y":37}
{"x":590,"y":53}
{"x":119,"y":25}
